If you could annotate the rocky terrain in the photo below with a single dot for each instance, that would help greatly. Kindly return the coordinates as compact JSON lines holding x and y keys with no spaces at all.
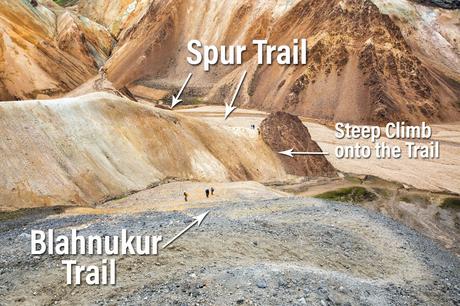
{"x":282,"y":131}
{"x":89,"y":144}
{"x":248,"y":251}
{"x":448,"y":4}
{"x":414,"y":198}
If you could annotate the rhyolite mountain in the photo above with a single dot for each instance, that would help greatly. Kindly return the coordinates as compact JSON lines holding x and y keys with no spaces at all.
{"x":369,"y":61}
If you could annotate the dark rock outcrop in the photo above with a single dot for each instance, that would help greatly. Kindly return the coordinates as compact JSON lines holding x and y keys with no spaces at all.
{"x":283,"y":131}
{"x":447,"y":4}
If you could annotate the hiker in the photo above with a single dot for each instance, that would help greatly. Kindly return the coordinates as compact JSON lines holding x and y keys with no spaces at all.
{"x":103,"y":72}
{"x":207,"y":193}
{"x":185,"y":197}
{"x":212,"y":190}
{"x":34,"y":3}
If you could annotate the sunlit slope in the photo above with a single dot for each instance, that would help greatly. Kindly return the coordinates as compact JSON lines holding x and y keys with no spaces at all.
{"x":83,"y":150}
{"x":46,"y":50}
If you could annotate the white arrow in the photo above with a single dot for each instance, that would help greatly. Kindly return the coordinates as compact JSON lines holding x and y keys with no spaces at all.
{"x":229,"y":108}
{"x":291,"y":153}
{"x":198,"y":220}
{"x":175,"y":99}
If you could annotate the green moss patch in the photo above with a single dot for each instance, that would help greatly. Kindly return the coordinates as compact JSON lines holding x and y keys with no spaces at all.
{"x":66,"y":2}
{"x":415,"y":199}
{"x":349,"y":195}
{"x":451,"y":203}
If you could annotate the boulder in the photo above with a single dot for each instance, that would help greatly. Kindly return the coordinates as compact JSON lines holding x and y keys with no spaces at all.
{"x":282,"y":131}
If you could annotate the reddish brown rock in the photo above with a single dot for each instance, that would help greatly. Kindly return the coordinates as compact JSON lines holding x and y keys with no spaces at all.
{"x":283,"y":131}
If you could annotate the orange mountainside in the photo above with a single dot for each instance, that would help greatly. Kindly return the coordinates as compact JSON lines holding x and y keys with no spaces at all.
{"x":369,"y":61}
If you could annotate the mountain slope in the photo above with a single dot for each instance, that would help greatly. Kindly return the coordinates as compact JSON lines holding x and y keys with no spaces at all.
{"x":115,"y":15}
{"x":86,"y":149}
{"x":46,"y":50}
{"x":362,"y":66}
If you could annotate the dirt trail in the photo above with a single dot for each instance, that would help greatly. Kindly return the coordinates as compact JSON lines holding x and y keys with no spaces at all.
{"x":276,"y":249}
{"x":438,"y":175}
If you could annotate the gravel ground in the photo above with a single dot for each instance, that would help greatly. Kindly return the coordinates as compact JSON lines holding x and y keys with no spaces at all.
{"x":284,"y":251}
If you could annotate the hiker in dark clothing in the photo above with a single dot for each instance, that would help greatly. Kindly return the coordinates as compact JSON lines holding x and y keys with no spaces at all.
{"x":207,"y":193}
{"x":34,"y":3}
{"x":212,"y":190}
{"x":185,"y":196}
